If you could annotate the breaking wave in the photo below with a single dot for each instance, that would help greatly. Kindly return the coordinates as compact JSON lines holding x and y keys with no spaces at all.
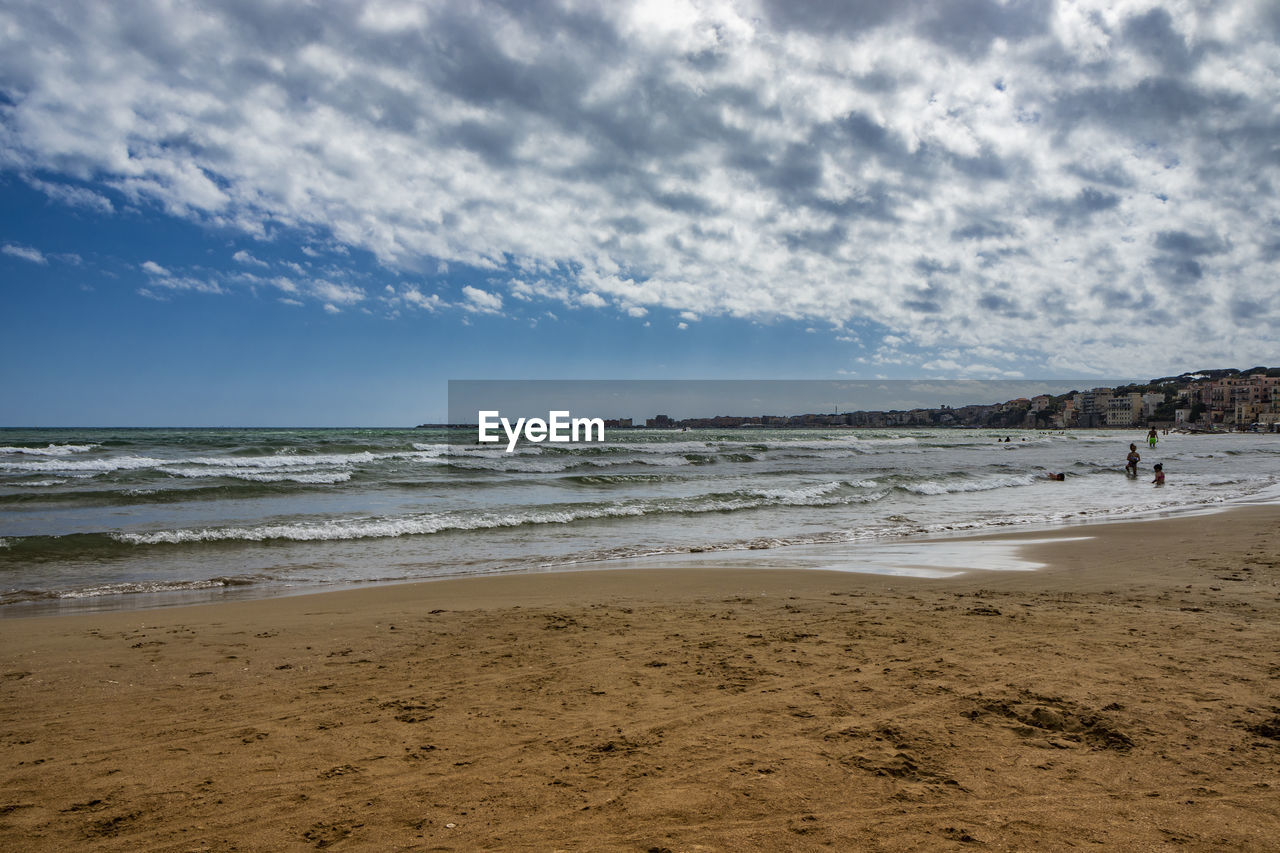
{"x":51,"y":450}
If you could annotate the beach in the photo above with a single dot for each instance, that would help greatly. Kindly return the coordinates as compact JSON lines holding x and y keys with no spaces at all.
{"x":1123,"y":696}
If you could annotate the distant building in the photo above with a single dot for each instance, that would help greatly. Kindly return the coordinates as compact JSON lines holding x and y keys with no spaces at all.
{"x":1125,"y":410}
{"x":1067,"y":417}
{"x":1093,"y":407}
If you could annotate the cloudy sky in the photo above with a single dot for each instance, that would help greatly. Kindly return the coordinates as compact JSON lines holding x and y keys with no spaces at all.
{"x":258,"y":212}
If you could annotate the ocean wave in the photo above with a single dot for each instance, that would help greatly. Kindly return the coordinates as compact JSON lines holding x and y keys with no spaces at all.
{"x":93,"y":466}
{"x":901,"y":527}
{"x":314,"y":478}
{"x":432,"y":449}
{"x":215,"y":463}
{"x":799,"y":495}
{"x":206,"y":489}
{"x":514,"y":465}
{"x":834,"y":444}
{"x":18,"y":596}
{"x":556,"y":464}
{"x":372,"y":528}
{"x":51,"y":450}
{"x":662,"y":447}
{"x":297,"y":461}
{"x":381,"y":528}
{"x":944,"y":487}
{"x":615,"y":479}
{"x":258,"y":476}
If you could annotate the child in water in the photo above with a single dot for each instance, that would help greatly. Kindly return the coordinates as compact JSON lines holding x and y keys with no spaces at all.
{"x":1131,"y":466}
{"x":1159,"y":469}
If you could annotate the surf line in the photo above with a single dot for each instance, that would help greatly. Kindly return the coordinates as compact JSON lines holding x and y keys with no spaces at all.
{"x":559,"y":427}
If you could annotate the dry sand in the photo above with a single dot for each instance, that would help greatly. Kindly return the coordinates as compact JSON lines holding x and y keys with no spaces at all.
{"x":1124,"y":698}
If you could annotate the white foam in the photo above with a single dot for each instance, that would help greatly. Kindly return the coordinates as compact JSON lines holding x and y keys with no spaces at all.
{"x":658,"y":461}
{"x":51,"y":450}
{"x":126,"y":588}
{"x":295,"y":461}
{"x":278,"y":475}
{"x":317,"y":477}
{"x":432,"y":449}
{"x":115,"y":463}
{"x":215,"y":463}
{"x":377,"y":528}
{"x":800,"y":495}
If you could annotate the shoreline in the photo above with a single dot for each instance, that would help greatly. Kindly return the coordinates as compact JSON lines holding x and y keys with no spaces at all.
{"x":1125,"y":695}
{"x":777,"y":558}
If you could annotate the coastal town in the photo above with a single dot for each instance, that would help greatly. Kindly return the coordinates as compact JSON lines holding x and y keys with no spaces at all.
{"x":1207,"y":400}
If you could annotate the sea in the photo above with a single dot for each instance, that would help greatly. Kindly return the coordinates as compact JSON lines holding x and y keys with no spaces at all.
{"x":129,"y":518}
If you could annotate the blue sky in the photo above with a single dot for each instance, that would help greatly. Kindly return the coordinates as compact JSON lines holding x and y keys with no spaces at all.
{"x":270,"y":213}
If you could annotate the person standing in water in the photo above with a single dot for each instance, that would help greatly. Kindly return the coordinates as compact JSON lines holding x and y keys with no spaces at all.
{"x":1152,"y":438}
{"x":1131,"y":466}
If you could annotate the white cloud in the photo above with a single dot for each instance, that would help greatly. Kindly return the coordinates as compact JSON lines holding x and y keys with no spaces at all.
{"x":195,"y":285}
{"x":74,"y":196}
{"x":152,"y":268}
{"x":332,"y":309}
{"x":416,"y":298}
{"x":340,"y":294}
{"x":1081,"y":181}
{"x":243,"y":257}
{"x":26,"y":253}
{"x":481,"y":300}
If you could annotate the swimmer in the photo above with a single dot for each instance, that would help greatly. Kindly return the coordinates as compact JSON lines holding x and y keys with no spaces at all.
{"x":1052,"y":476}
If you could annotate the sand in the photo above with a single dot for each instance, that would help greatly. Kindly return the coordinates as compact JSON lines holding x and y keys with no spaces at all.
{"x":1125,"y":697}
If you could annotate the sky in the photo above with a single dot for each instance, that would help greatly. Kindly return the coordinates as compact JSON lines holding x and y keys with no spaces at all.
{"x":287,"y":213}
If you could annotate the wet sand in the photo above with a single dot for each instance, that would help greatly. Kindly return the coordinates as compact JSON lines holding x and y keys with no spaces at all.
{"x":1125,"y":696}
